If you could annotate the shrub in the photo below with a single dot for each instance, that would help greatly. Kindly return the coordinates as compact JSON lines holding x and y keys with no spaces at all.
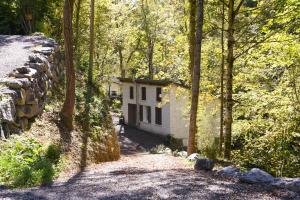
{"x":174,"y":143}
{"x":25,"y":162}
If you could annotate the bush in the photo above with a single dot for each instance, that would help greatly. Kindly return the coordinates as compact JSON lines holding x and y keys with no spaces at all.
{"x":174,"y":143}
{"x":25,"y":162}
{"x":276,"y":153}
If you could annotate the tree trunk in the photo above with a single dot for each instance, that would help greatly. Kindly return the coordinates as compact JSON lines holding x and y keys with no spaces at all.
{"x":221,"y":141}
{"x":91,"y":52}
{"x":192,"y":144}
{"x":76,"y":49}
{"x":230,"y":61}
{"x":68,"y":107}
{"x":150,"y":59}
{"x":192,"y":27}
{"x":122,"y":70}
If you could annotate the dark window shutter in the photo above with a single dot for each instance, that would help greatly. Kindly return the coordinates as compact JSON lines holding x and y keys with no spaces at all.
{"x":149,"y":114}
{"x":143,"y":93}
{"x":141,"y":113}
{"x":158,"y":116}
{"x":158,"y":94}
{"x":131,"y":92}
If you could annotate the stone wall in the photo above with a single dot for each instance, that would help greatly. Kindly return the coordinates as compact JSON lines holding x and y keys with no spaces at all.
{"x":23,"y":92}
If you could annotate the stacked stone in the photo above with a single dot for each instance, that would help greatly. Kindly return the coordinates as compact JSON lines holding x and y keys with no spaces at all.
{"x":24,"y":91}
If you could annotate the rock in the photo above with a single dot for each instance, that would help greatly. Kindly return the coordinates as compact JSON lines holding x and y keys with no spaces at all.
{"x":193,"y":157}
{"x":21,"y":96}
{"x":40,"y":67}
{"x":256,"y":175}
{"x":204,"y":164}
{"x":140,"y":148}
{"x":7,"y":110}
{"x":28,"y":111}
{"x":229,"y":171}
{"x":294,"y":185}
{"x":31,"y":73}
{"x":168,"y":151}
{"x":15,"y":83}
{"x":181,"y":154}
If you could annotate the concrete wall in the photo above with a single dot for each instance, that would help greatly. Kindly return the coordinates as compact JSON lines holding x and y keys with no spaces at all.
{"x":23,"y":91}
{"x":179,"y":114}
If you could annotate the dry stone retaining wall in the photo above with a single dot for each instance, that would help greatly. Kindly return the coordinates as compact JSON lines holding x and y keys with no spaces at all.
{"x":23,"y":91}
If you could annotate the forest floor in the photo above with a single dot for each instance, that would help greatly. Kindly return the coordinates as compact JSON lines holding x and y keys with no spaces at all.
{"x":141,"y":175}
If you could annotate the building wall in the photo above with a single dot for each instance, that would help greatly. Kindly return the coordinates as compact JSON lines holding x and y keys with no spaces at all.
{"x":179,"y":118}
{"x":164,"y":128}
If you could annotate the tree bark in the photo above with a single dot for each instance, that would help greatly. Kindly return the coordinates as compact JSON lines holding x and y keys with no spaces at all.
{"x":221,"y":141}
{"x":230,"y":61}
{"x":68,"y":107}
{"x":192,"y":27}
{"x":122,"y":70}
{"x":192,"y":144}
{"x":76,"y":49}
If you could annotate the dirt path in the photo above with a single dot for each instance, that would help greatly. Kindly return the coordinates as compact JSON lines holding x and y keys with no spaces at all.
{"x":140,"y":175}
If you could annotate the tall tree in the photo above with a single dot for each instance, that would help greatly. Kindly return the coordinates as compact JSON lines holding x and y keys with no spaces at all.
{"x":222,"y":82}
{"x":192,"y":27}
{"x":68,"y":107}
{"x":232,"y":13}
{"x":192,"y":144}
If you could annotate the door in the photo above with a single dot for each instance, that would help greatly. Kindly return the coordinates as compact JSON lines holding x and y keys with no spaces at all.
{"x":131,"y":114}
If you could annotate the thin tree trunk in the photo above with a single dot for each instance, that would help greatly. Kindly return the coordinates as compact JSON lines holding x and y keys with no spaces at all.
{"x":192,"y":144}
{"x":68,"y":107}
{"x":150,"y":59}
{"x":221,"y":141}
{"x":122,"y":70}
{"x":91,"y":51}
{"x":230,"y":61}
{"x":192,"y":27}
{"x":76,"y":49}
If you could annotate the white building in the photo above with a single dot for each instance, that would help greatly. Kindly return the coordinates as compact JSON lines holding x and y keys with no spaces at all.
{"x":113,"y":87}
{"x":156,"y":106}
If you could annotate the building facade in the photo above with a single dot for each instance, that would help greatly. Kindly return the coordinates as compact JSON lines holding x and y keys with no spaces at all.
{"x":156,"y":106}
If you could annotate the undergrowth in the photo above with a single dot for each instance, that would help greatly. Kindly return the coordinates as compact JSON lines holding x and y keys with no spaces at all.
{"x":24,"y":162}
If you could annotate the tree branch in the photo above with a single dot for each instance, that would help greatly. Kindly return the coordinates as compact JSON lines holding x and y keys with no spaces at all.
{"x":226,"y":4}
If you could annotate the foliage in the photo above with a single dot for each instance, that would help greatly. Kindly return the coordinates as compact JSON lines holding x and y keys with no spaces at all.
{"x":173,"y":143}
{"x":25,"y":162}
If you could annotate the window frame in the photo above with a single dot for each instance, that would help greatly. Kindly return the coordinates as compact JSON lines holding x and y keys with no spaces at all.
{"x":131,"y":92}
{"x":144,"y":93}
{"x":158,"y":116}
{"x":141,"y":113}
{"x":158,"y":94}
{"x":148,"y":109}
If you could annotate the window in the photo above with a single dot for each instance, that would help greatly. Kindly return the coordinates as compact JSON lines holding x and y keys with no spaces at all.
{"x":149,"y":114}
{"x":131,"y":92}
{"x":158,"y":94}
{"x":143,"y":93}
{"x":158,"y":116}
{"x":141,"y":113}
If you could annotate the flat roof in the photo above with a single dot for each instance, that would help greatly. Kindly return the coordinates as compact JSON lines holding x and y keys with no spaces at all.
{"x":152,"y":82}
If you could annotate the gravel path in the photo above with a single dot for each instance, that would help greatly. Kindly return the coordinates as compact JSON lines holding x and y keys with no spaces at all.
{"x":14,"y":51}
{"x":140,"y":175}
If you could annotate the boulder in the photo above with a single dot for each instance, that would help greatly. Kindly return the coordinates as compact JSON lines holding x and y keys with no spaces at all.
{"x":40,"y":67}
{"x":294,"y":185}
{"x":229,"y":171}
{"x":168,"y":151}
{"x":21,"y":96}
{"x":193,"y":157}
{"x":204,"y":164}
{"x":15,"y":83}
{"x":256,"y":175}
{"x":7,"y":110}
{"x":181,"y":154}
